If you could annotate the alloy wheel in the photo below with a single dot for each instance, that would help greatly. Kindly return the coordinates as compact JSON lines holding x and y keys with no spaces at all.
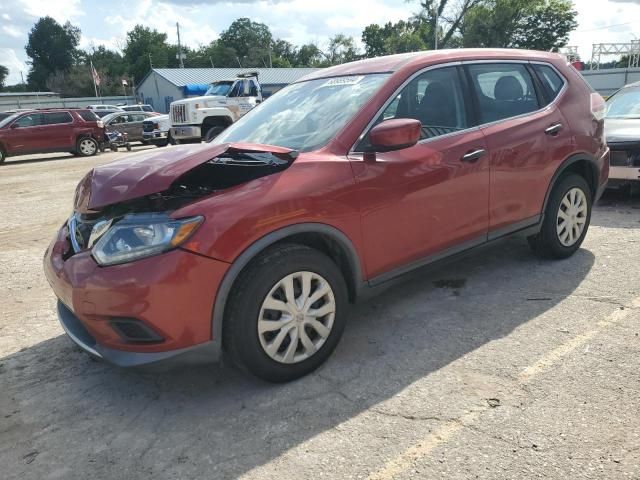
{"x":87,"y":147}
{"x":296,"y":317}
{"x":572,"y":217}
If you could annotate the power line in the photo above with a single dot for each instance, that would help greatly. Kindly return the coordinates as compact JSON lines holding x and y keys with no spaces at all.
{"x":606,"y":27}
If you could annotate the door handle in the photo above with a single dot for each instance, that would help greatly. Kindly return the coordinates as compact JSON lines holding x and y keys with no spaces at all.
{"x":473,"y":155}
{"x":553,"y":129}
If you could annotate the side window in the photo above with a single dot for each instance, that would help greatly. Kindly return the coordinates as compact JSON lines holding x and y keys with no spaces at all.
{"x":139,"y":117}
{"x":236,"y":90}
{"x":56,"y":118}
{"x":88,"y":116}
{"x":503,"y":89}
{"x":253,"y":89}
{"x":436,"y":99}
{"x":551,"y":81}
{"x":30,"y":120}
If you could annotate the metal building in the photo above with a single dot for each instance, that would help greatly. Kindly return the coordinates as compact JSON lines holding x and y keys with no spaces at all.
{"x":161,"y":86}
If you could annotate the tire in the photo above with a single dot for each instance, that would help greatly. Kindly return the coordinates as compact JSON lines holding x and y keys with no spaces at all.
{"x":263,"y":280}
{"x":86,"y":147}
{"x":171,"y":140}
{"x":128,"y":147}
{"x":3,"y":156}
{"x":213,"y":132}
{"x":560,"y":237}
{"x":162,"y":144}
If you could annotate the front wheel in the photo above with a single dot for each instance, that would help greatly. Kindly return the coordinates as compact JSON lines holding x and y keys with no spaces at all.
{"x":566,"y":219}
{"x":3,"y":156}
{"x":287,"y":313}
{"x":213,"y":132}
{"x":87,"y":147}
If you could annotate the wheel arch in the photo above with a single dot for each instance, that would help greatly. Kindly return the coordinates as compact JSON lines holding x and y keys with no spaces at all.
{"x":319,"y":236}
{"x":217,"y":120}
{"x":583,"y":164}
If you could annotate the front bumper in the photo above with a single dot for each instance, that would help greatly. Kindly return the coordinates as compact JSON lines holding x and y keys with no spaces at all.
{"x":172,"y":294}
{"x":155,"y":136}
{"x":186,"y":132}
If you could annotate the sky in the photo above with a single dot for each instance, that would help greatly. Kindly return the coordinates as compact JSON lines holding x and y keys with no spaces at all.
{"x":298,"y":21}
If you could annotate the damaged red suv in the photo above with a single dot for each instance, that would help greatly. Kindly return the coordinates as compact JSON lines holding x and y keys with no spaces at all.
{"x":254,"y":245}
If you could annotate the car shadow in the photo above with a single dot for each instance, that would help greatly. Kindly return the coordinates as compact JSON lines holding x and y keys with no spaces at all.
{"x":618,"y":208}
{"x":63,"y":412}
{"x":25,"y":161}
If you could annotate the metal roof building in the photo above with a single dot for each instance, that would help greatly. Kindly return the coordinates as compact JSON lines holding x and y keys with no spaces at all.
{"x":161,"y":86}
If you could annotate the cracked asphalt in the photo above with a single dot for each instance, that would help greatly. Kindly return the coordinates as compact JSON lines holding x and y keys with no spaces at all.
{"x":495,"y":366}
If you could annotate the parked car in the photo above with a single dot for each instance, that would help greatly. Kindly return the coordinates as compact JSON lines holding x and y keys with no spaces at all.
{"x":127,"y":122}
{"x":104,"y":113}
{"x":77,"y":131}
{"x":137,"y":108}
{"x":98,"y":107}
{"x":155,"y":130}
{"x":342,"y":182}
{"x":622,"y":129}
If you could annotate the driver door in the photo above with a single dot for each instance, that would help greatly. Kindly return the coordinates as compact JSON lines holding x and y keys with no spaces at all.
{"x":429,"y":200}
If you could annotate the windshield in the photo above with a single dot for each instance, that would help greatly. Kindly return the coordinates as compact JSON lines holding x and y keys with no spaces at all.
{"x":7,"y":118}
{"x":305,"y":116}
{"x":624,"y":104}
{"x":219,"y":89}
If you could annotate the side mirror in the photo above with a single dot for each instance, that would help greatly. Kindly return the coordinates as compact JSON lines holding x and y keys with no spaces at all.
{"x":14,"y":125}
{"x":395,"y":134}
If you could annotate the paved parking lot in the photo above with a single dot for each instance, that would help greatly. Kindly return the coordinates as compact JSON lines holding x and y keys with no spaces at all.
{"x":496,"y":366}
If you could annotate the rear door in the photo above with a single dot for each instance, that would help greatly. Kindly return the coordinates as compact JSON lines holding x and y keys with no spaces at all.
{"x":431,"y":199}
{"x":523,"y":134}
{"x":135,"y":126}
{"x":56,"y":130}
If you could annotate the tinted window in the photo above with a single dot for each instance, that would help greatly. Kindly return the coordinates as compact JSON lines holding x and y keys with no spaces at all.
{"x":88,"y":116}
{"x":56,"y":117}
{"x":147,"y":108}
{"x":138,"y":117}
{"x":436,"y":99}
{"x":29,"y":120}
{"x":551,"y":81}
{"x":503,"y":90}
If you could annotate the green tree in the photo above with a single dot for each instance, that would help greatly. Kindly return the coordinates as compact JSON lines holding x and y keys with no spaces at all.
{"x":308,"y":55}
{"x":534,"y":24}
{"x":401,"y":37}
{"x":51,"y":47}
{"x":443,"y":16}
{"x":245,"y":37}
{"x":4,"y":73}
{"x":145,"y":47}
{"x":340,"y":49}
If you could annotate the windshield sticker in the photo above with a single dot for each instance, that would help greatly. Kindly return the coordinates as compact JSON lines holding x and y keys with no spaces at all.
{"x":339,"y":81}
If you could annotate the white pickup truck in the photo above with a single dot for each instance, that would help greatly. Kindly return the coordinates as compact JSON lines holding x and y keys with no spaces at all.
{"x":203,"y":118}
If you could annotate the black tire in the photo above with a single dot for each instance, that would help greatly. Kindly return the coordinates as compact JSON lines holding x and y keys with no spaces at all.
{"x":162,"y":144}
{"x":3,"y":156}
{"x":547,"y":243}
{"x":128,"y":147}
{"x":171,"y":140}
{"x":213,"y":132}
{"x":240,"y":334}
{"x":86,"y":147}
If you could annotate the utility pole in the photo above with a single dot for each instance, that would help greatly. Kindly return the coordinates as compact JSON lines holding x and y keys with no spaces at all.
{"x":179,"y":55}
{"x":212,"y":65}
{"x":435,"y":29}
{"x":22,"y":77}
{"x":150,"y":62}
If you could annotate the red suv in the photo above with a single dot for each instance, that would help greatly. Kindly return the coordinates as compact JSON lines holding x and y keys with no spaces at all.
{"x":51,"y":130}
{"x":345,"y":180}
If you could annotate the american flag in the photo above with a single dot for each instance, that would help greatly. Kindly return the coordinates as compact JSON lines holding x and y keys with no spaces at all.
{"x":94,"y":75}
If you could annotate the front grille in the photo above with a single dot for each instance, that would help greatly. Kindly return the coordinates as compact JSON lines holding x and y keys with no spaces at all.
{"x":179,"y":113}
{"x":147,"y":126}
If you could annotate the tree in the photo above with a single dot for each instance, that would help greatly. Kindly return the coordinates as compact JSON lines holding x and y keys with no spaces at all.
{"x":445,"y":16}
{"x":340,"y":49}
{"x":534,"y":24}
{"x":51,"y":47}
{"x":4,"y":73}
{"x":145,"y":47}
{"x":401,"y":37}
{"x":245,"y":37}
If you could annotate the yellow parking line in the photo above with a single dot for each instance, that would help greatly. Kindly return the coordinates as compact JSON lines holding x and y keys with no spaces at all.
{"x":411,"y":455}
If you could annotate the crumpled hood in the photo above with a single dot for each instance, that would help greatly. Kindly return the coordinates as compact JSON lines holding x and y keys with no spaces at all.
{"x":622,"y":129}
{"x":145,"y":173}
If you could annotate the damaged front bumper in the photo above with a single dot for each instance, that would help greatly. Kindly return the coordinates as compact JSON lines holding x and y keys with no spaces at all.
{"x":140,"y":313}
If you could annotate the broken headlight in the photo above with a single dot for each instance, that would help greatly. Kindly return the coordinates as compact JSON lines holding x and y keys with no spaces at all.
{"x":142,"y":235}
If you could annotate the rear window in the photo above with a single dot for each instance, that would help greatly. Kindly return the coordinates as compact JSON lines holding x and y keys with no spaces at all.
{"x":88,"y":116}
{"x":54,"y":118}
{"x":551,"y":81}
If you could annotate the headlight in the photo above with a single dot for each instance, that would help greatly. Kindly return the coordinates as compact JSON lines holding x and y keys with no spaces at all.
{"x":142,"y":235}
{"x":100,"y":123}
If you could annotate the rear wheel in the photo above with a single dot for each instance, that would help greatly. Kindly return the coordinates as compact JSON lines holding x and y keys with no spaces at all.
{"x":566,"y":219}
{"x":86,"y":147}
{"x":3,"y":156}
{"x":287,"y":313}
{"x":213,"y":132}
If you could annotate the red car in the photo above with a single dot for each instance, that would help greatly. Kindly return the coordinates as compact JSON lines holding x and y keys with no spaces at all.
{"x":77,"y":131}
{"x":255,"y":244}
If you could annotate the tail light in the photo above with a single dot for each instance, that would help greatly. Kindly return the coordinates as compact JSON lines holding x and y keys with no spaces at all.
{"x":598,"y":106}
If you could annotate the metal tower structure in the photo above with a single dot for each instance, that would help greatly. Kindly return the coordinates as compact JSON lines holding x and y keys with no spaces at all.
{"x":571,"y":52}
{"x":632,"y":49}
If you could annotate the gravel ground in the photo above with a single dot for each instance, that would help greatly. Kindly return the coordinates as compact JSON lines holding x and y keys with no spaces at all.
{"x":497,"y":366}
